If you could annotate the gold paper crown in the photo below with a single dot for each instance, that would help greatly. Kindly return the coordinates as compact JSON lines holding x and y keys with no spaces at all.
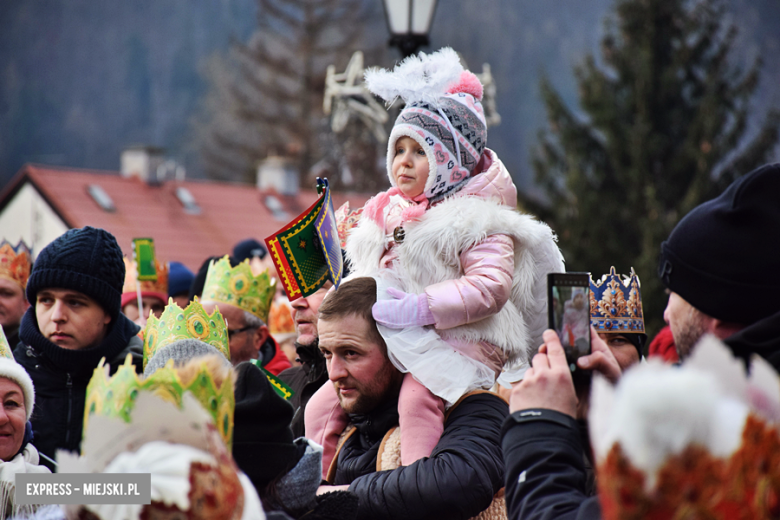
{"x":15,"y":262}
{"x":238,"y":287}
{"x":115,"y":396}
{"x":696,"y":484}
{"x":160,"y":286}
{"x":192,"y":322}
{"x":5,"y":348}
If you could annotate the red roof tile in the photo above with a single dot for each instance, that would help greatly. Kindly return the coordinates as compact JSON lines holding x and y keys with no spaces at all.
{"x":229,"y":212}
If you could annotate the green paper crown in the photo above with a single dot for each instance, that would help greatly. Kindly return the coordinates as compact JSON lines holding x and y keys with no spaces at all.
{"x":237,"y":286}
{"x":193,"y":322}
{"x":5,"y":348}
{"x":115,"y":396}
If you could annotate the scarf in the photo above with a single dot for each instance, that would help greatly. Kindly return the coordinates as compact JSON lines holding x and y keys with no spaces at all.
{"x":24,"y":462}
{"x":375,"y":207}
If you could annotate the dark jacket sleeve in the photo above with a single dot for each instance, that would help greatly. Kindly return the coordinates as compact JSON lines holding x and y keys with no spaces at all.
{"x":545,"y":471}
{"x":457,"y":481}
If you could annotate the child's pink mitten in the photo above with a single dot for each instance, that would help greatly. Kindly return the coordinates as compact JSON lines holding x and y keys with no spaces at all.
{"x":407,"y":310}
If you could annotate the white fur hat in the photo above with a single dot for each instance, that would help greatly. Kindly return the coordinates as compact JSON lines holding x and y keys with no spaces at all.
{"x":12,"y":370}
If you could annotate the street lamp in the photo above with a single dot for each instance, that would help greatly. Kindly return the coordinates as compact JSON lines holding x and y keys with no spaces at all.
{"x":409,"y":22}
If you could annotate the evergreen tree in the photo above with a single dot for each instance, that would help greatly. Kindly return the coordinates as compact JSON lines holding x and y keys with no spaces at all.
{"x":666,"y":124}
{"x":266,"y":96}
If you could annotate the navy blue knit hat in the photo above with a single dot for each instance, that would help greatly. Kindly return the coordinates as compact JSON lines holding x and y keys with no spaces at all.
{"x":87,"y":260}
{"x":249,"y":248}
{"x":179,"y":279}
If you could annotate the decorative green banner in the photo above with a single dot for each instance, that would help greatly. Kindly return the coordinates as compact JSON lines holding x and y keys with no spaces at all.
{"x":143,"y":253}
{"x":278,"y":385}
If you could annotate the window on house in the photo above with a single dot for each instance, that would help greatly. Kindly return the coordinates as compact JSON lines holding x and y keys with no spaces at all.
{"x":102,"y":198}
{"x":188,"y":201}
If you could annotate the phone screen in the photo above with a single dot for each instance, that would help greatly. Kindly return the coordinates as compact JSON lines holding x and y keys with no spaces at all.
{"x":569,"y":313}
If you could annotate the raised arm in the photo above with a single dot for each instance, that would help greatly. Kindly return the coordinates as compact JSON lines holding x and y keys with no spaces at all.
{"x":482,"y":290}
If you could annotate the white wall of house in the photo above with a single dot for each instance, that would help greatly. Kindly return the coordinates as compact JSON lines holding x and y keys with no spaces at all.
{"x":28,"y":217}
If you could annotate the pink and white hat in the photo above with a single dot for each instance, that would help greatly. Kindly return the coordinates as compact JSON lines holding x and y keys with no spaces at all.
{"x":443,"y":114}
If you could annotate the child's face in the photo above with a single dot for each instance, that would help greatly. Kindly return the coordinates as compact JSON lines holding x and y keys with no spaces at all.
{"x":410,"y":167}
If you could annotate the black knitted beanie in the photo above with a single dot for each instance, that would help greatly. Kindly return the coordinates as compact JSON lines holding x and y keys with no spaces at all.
{"x":721,"y":257}
{"x":87,"y":260}
{"x":262,"y":439}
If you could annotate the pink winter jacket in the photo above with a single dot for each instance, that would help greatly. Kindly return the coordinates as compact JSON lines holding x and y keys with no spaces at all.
{"x":487,"y":267}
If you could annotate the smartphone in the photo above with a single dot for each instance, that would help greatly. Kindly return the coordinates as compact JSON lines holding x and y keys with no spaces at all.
{"x":568,"y":311}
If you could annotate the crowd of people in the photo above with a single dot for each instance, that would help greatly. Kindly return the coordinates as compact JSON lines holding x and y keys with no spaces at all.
{"x":425,"y":385}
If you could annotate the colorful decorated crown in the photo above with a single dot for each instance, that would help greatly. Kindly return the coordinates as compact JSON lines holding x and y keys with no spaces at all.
{"x":616,"y":305}
{"x":280,"y":320}
{"x":697,"y":484}
{"x":193,"y":322}
{"x":237,"y":286}
{"x":5,"y":348}
{"x":160,"y":286}
{"x":115,"y":396}
{"x":346,"y":220}
{"x":693,"y":441}
{"x":15,"y":262}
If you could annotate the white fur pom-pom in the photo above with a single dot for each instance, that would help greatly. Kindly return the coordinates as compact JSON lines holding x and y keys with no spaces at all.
{"x":425,"y":77}
{"x":656,"y":410}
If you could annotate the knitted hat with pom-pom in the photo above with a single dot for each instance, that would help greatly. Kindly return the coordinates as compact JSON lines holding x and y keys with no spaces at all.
{"x":87,"y":260}
{"x":443,"y":114}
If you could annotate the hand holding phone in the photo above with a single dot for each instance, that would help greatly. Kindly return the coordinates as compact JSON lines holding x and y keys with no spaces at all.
{"x":568,"y":310}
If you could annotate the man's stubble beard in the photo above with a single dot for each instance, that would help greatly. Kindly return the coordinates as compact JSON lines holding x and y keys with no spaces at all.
{"x":384,"y":386}
{"x":689,"y":332}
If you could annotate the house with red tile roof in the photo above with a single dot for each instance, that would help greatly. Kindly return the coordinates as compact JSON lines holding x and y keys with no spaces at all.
{"x":189,"y":220}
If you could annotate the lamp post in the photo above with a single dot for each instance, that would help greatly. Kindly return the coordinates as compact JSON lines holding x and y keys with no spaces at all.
{"x":409,"y":22}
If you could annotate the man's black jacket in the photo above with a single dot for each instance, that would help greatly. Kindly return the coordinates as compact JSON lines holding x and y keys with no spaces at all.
{"x":304,"y":380}
{"x":61,"y":376}
{"x":546,"y":477}
{"x":457,"y":481}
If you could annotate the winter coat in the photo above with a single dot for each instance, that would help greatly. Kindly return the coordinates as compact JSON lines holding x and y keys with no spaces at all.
{"x":61,"y":376}
{"x":274,"y":358}
{"x":454,"y":254}
{"x":304,"y":380}
{"x":26,"y":461}
{"x":761,"y":337}
{"x":546,"y":477}
{"x":458,"y":480}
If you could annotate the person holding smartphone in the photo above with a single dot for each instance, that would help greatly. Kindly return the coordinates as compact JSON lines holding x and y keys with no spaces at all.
{"x":718,"y":257}
{"x":541,"y":440}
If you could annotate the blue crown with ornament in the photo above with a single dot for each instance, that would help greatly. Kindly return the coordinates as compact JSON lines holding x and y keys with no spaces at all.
{"x":616,"y":304}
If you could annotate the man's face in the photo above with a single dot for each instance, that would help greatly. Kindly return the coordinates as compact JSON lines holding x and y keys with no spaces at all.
{"x":182,"y":300}
{"x":152,"y":306}
{"x":304,"y":314}
{"x":12,"y":303}
{"x":624,"y":351}
{"x":359,"y":369}
{"x":687,"y":323}
{"x":70,"y":319}
{"x":245,"y":342}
